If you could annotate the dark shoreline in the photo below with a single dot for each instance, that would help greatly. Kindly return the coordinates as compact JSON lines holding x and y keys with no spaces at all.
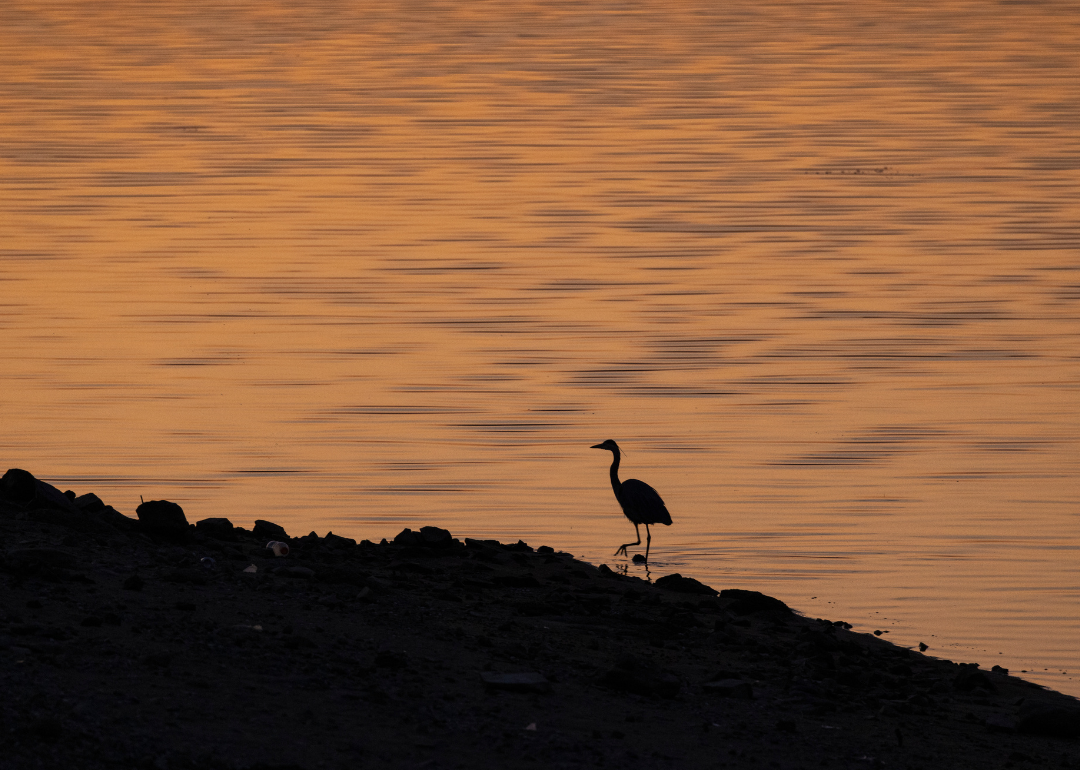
{"x":122,"y":646}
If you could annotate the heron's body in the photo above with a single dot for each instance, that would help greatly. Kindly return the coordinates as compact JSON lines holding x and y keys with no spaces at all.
{"x":641,"y":503}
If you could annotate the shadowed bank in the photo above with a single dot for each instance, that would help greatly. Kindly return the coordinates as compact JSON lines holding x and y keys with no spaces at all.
{"x":152,"y":642}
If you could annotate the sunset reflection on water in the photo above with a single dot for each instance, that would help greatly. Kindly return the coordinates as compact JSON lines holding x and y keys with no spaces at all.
{"x":814,"y":266}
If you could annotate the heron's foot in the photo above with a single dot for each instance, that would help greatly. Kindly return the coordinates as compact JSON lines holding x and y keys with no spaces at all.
{"x":622,"y":550}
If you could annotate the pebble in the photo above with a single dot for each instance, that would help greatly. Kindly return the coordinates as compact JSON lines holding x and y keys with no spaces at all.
{"x":528,"y":681}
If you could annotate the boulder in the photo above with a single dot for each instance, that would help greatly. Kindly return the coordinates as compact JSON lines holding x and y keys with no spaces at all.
{"x":969,"y":677}
{"x":434,"y":537}
{"x":684,"y":585}
{"x":217,"y":528}
{"x":89,"y":503}
{"x":269,"y":530}
{"x":408,"y":537}
{"x":741,"y":602}
{"x":162,"y":517}
{"x":1057,"y":720}
{"x":337,"y":541}
{"x":19,"y":486}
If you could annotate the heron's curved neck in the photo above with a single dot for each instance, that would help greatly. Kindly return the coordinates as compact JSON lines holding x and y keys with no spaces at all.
{"x":615,"y":483}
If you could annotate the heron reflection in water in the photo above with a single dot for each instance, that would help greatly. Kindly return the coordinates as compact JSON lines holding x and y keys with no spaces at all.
{"x":640,"y":502}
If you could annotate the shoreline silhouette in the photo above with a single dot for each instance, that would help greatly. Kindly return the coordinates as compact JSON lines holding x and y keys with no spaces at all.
{"x":156,"y":642}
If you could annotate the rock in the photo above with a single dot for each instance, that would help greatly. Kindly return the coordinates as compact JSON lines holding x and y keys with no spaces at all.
{"x":641,"y":678}
{"x":30,"y":559}
{"x":337,"y":541}
{"x":607,"y":572}
{"x":391,"y":659}
{"x":969,"y":677}
{"x":999,"y":723}
{"x":76,"y":520}
{"x":1055,"y":720}
{"x":19,"y":486}
{"x":730,"y":688}
{"x":434,"y":537}
{"x":296,"y":572}
{"x":89,"y":503}
{"x":134,"y":583}
{"x":190,"y":575}
{"x":528,"y":681}
{"x":524,"y":580}
{"x":408,"y":537}
{"x":427,"y":537}
{"x":269,"y":530}
{"x":217,"y":528}
{"x":163,"y":518}
{"x":743,"y":602}
{"x":684,"y":585}
{"x":159,"y":659}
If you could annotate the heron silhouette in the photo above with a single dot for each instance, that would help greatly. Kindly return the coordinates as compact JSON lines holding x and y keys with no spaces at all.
{"x":640,"y":502}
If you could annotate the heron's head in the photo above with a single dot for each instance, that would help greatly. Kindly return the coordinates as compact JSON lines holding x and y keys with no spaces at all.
{"x":609,"y":445}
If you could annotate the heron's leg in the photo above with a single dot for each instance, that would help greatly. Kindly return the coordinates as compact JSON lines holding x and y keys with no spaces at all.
{"x":648,"y":541}
{"x":622,"y":548}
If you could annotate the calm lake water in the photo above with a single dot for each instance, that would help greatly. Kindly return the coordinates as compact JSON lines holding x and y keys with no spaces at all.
{"x":363,"y":266}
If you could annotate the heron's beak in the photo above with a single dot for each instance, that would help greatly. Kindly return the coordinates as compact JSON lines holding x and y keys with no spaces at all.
{"x":597,"y":446}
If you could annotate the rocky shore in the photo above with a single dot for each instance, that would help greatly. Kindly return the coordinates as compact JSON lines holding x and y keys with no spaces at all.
{"x":161,"y":644}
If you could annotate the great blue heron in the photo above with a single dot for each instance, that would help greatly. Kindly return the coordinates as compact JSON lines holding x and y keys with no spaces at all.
{"x":639,"y":501}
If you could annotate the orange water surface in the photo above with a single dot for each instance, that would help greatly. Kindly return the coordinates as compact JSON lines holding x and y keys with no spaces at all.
{"x":357,"y":266}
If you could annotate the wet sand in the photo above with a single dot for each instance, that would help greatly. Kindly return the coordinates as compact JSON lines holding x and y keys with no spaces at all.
{"x":162,"y":644}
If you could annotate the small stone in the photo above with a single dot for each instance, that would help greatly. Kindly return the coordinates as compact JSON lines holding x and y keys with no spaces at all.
{"x":391,"y":659}
{"x":999,"y":723}
{"x":158,"y":660}
{"x":730,"y":688}
{"x":641,"y":678}
{"x":923,"y":647}
{"x":528,"y":681}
